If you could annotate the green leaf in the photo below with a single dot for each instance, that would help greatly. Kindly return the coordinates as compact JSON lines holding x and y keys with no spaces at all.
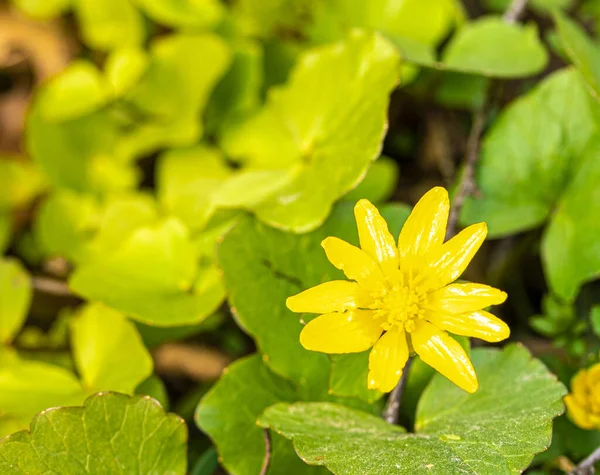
{"x":595,"y":319}
{"x":110,"y":24}
{"x":20,"y":182}
{"x":187,"y":180}
{"x":172,"y":94}
{"x":27,"y":387}
{"x":379,"y":183}
{"x":152,"y":276}
{"x":325,"y":127}
{"x":79,"y":154}
{"x":112,"y":433}
{"x":155,"y":388}
{"x":238,"y":94}
{"x":108,"y":350}
{"x":492,"y":47}
{"x":408,"y":21}
{"x":5,"y":231}
{"x":229,"y":411}
{"x":65,"y":222}
{"x":42,"y":9}
{"x":349,"y":377}
{"x":207,"y":464}
{"x":570,"y":248}
{"x":582,"y":51}
{"x":276,"y":265}
{"x":188,"y":14}
{"x":528,"y":153}
{"x":16,"y":292}
{"x":77,"y":91}
{"x":494,"y":431}
{"x":124,"y":68}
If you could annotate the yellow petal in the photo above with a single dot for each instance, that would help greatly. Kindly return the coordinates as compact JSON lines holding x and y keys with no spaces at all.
{"x":354,"y":262}
{"x":375,"y":238}
{"x":443,"y":353}
{"x":425,"y":228}
{"x":386,"y":360}
{"x":350,"y":332}
{"x":579,"y":387}
{"x":480,"y":324}
{"x":577,"y":414}
{"x":464,"y":298}
{"x":453,"y":257}
{"x":334,"y":296}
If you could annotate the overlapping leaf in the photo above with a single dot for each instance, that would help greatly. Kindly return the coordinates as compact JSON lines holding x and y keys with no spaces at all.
{"x":538,"y":162}
{"x":112,"y":433}
{"x":494,"y":431}
{"x":318,"y":133}
{"x":276,"y":265}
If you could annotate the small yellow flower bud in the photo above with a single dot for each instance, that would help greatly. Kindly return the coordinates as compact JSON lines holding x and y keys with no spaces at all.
{"x":583,"y":403}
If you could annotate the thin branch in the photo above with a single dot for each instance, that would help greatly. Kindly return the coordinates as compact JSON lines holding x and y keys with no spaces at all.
{"x":392,"y":408}
{"x":267,"y":459}
{"x":465,"y":188}
{"x":51,"y":286}
{"x":515,"y":10}
{"x":466,"y":185}
{"x":586,"y":467}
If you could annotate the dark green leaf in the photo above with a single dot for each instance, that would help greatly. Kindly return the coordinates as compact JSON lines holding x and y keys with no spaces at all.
{"x":494,"y":431}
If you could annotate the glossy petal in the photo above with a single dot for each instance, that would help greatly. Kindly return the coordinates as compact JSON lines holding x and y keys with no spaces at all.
{"x":578,"y":414}
{"x":386,"y":361}
{"x":375,"y":238}
{"x":355,"y":263}
{"x":425,"y":228}
{"x":464,"y":298}
{"x":444,"y":354}
{"x":480,"y":324}
{"x":453,"y":257}
{"x":579,"y":387}
{"x":334,"y":296}
{"x":350,"y":332}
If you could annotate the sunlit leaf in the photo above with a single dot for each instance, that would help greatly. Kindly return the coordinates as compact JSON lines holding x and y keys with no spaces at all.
{"x":108,"y":350}
{"x":111,"y":434}
{"x":109,"y":24}
{"x":15,"y":297}
{"x":152,"y":276}
{"x":322,"y":125}
{"x":27,"y":387}
{"x":188,"y":14}
{"x":492,"y":47}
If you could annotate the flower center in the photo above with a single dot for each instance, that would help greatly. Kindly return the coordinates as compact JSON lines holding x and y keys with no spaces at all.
{"x":400,"y":303}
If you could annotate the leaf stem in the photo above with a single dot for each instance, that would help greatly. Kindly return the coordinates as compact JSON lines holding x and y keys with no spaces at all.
{"x":586,"y":467}
{"x":267,"y":459}
{"x":465,"y":188}
{"x":514,"y":11}
{"x":466,"y":185}
{"x":392,"y":408}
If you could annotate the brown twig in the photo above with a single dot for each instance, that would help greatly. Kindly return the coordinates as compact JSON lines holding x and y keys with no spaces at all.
{"x":515,"y":10}
{"x":467,"y":186}
{"x":392,"y":408}
{"x":586,"y":467}
{"x":193,"y":361}
{"x":267,"y":459}
{"x":51,"y":286}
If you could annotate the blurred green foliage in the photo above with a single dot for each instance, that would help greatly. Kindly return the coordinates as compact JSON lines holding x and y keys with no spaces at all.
{"x":174,"y":180}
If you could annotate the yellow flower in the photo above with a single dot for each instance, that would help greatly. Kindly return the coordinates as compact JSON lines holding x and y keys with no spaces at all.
{"x":583,"y":403}
{"x":400,"y":298}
